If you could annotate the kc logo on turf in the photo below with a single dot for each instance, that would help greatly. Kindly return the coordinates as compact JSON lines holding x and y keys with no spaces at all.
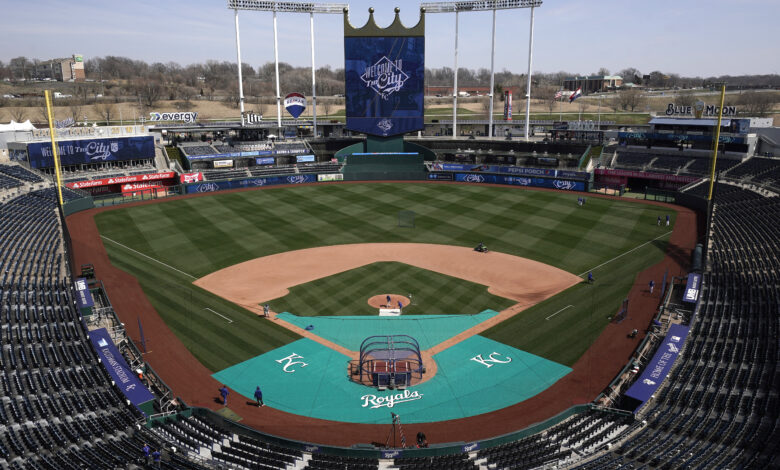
{"x":291,"y":361}
{"x":491,"y":361}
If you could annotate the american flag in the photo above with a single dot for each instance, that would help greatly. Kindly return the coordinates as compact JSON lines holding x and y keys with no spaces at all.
{"x":559,"y":94}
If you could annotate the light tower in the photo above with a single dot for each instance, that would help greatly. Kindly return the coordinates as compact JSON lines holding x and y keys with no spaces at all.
{"x":487,"y":5}
{"x":285,"y":7}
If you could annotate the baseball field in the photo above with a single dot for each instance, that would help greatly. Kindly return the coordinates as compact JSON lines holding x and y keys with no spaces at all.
{"x":169,"y":245}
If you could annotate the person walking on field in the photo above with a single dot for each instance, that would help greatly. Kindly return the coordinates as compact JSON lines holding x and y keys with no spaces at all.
{"x":652,"y":285}
{"x":659,"y":221}
{"x":224,"y":392}
{"x":259,"y":396}
{"x":667,"y":220}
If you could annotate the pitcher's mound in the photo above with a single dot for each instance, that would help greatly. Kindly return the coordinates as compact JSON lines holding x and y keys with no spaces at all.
{"x":380,"y":301}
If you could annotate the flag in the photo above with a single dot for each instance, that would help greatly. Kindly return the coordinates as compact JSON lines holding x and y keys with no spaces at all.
{"x":575,"y":95}
{"x":558,"y":95}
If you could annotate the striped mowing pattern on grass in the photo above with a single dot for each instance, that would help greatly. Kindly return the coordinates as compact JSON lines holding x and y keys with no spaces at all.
{"x":201,"y":235}
{"x":347,"y":293}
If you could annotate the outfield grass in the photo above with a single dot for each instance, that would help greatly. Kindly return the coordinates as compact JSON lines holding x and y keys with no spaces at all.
{"x":347,"y":293}
{"x":200,"y":235}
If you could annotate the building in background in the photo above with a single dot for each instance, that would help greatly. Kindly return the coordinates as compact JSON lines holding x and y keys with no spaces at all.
{"x":61,"y":70}
{"x":593,"y":83}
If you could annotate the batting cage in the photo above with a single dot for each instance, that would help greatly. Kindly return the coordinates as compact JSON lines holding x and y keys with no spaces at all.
{"x":389,"y":361}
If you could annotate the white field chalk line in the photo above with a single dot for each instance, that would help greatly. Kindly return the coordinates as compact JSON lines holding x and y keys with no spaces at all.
{"x":149,"y":257}
{"x":217,"y":313}
{"x":627,"y":252}
{"x":559,"y":311}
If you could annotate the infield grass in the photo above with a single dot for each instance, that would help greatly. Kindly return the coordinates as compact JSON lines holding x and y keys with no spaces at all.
{"x":347,"y":293}
{"x":200,"y":235}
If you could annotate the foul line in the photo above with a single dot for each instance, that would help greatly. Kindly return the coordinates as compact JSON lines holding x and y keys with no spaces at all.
{"x":149,"y":257}
{"x":217,"y":313}
{"x":627,"y":252}
{"x":559,"y":311}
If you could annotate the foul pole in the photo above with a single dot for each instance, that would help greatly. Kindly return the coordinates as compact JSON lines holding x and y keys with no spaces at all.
{"x":54,"y":150}
{"x":528,"y":85}
{"x":716,"y":141}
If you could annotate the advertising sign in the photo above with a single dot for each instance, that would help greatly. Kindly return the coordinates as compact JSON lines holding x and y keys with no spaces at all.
{"x":645,"y":175}
{"x":264,"y":161}
{"x":295,"y":104}
{"x":507,"y":105}
{"x":384,"y":84}
{"x":177,"y":116}
{"x":126,"y":380}
{"x":304,"y":158}
{"x":692,"y":288}
{"x":551,"y":183}
{"x":698,"y":110}
{"x":211,"y":186}
{"x":120,"y":180}
{"x":80,"y":152}
{"x":190,"y":177}
{"x":514,"y":170}
{"x":131,"y":187}
{"x":83,"y":296}
{"x":331,"y":177}
{"x":223,"y":163}
{"x":660,"y":365}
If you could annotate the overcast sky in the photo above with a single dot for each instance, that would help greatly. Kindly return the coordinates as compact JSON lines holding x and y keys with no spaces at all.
{"x":689,"y":37}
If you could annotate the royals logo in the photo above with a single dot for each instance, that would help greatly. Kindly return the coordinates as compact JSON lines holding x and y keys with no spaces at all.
{"x":207,"y":187}
{"x":561,"y":184}
{"x":474,"y":179}
{"x":648,"y":382}
{"x":385,"y":77}
{"x":385,"y":124}
{"x":391,"y":400}
{"x":296,"y":179}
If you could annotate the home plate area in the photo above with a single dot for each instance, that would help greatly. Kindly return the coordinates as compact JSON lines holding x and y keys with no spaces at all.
{"x":475,"y":376}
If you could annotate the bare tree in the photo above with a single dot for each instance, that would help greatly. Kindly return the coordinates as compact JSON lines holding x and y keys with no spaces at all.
{"x":484,"y":105}
{"x":76,"y":111}
{"x":327,"y":106}
{"x":630,"y":99}
{"x":106,"y":109}
{"x":149,"y":91}
{"x":18,"y":113}
{"x":43,"y":113}
{"x":685,"y":99}
{"x":755,"y":103}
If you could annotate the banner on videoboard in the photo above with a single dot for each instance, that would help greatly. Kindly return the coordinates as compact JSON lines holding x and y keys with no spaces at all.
{"x":304,"y":158}
{"x":126,"y":380}
{"x":330,"y":177}
{"x":264,"y":161}
{"x":223,"y":163}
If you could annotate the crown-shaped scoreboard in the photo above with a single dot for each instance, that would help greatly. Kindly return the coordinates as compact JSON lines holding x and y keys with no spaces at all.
{"x":385,"y":76}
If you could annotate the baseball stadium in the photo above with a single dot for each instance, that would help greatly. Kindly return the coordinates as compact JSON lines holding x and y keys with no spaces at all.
{"x":257,"y":294}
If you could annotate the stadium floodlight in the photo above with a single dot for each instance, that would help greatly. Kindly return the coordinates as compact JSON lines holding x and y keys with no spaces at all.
{"x":487,"y":5}
{"x":286,"y":7}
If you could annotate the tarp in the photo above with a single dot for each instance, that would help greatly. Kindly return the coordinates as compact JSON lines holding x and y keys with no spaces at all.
{"x":658,"y":367}
{"x":117,"y":368}
{"x":17,"y":126}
